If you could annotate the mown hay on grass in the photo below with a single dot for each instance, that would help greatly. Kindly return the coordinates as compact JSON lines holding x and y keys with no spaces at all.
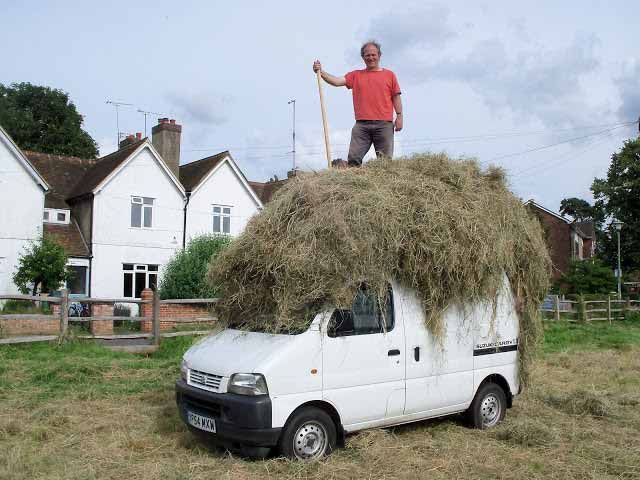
{"x":444,"y":227}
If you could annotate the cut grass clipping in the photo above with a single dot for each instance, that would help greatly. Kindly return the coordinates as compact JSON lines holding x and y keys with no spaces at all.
{"x":444,"y":227}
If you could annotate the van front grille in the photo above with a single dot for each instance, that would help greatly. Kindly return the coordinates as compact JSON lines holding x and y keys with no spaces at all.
{"x":206,"y":381}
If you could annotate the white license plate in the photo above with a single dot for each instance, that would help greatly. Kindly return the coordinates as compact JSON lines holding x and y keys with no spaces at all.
{"x":203,"y":423}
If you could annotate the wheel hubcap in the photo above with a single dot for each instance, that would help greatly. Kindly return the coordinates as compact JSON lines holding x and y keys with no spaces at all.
{"x":490,"y":410}
{"x":310,"y":441}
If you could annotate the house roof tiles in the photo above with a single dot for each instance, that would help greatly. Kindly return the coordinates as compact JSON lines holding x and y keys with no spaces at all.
{"x":102,"y":168}
{"x":68,"y":236}
{"x":62,"y":173}
{"x":193,"y":173}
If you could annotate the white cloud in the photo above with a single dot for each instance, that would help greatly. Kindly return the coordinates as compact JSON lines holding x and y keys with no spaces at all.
{"x":627,"y":83}
{"x":402,"y":31}
{"x":205,"y":108}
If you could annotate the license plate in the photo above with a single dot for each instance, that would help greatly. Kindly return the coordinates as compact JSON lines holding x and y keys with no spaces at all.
{"x":203,"y":423}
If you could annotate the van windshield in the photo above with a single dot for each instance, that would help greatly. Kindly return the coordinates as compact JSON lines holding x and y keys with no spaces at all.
{"x":271,"y":323}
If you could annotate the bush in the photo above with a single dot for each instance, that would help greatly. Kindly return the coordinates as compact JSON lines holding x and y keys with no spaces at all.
{"x":587,"y":276}
{"x":185,"y":274}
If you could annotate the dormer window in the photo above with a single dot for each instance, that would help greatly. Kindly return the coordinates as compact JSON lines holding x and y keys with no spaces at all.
{"x":52,"y":215}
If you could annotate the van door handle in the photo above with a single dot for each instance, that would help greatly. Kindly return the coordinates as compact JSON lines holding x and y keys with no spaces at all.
{"x":416,"y":354}
{"x":393,"y":352}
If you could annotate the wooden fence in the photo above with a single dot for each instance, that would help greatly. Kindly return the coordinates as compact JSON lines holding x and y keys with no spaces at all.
{"x":582,"y":310}
{"x":62,"y":317}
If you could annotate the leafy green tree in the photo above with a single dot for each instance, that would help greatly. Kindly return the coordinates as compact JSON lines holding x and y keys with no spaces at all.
{"x":44,"y":119}
{"x":42,"y":267}
{"x":577,"y":208}
{"x":618,"y":196}
{"x":587,"y":276}
{"x":185,"y":275}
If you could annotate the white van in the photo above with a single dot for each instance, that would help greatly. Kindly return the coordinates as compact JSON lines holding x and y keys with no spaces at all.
{"x":351,"y":370}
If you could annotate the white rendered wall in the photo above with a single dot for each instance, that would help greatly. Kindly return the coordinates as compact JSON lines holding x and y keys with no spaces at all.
{"x":21,"y":208}
{"x":114,"y":240}
{"x":222,"y":188}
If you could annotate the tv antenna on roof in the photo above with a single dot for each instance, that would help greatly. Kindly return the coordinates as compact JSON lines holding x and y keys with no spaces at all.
{"x":118,"y":105}
{"x":145,"y":113}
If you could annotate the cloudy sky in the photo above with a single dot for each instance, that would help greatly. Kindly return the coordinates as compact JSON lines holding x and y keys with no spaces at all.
{"x":547,"y":91}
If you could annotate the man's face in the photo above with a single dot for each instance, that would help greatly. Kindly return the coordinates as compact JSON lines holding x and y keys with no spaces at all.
{"x":371,"y":57}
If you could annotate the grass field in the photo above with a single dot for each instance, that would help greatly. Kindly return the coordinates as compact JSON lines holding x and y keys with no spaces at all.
{"x":82,"y":412}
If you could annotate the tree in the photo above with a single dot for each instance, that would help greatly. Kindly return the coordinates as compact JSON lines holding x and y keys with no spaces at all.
{"x":618,"y":196}
{"x":577,"y":208}
{"x":44,"y":119}
{"x":185,"y":275}
{"x":587,"y":276}
{"x":42,"y":267}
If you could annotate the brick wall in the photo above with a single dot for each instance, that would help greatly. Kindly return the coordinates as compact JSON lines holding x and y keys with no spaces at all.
{"x":24,"y":325}
{"x":558,"y":237}
{"x":182,"y":311}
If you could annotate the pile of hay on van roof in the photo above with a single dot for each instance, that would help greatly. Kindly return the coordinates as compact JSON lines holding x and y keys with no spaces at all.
{"x":445,"y":227}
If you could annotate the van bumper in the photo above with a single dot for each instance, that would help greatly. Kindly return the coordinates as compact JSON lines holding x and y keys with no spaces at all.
{"x":241,"y":420}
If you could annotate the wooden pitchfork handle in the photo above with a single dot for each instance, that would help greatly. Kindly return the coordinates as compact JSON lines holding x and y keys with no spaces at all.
{"x":324,"y":120}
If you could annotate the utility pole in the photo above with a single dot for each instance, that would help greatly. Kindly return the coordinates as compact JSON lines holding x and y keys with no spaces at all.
{"x":118,"y":105}
{"x":293,"y":102}
{"x":145,"y":113}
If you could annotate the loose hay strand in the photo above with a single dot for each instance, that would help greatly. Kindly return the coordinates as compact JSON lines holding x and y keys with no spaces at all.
{"x":441,"y":226}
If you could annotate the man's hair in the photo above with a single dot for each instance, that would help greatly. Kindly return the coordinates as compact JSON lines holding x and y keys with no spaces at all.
{"x":370,"y":42}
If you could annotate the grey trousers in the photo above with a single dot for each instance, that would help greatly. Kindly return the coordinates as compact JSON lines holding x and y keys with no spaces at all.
{"x":367,"y":132}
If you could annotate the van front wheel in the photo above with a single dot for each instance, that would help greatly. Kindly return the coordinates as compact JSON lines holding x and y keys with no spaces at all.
{"x":488,"y":406}
{"x":309,"y":435}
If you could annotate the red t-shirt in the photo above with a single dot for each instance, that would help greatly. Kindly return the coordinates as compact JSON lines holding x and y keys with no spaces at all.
{"x":373,"y":92}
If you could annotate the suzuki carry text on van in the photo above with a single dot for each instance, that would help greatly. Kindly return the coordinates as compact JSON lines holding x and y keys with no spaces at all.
{"x":365,"y":367}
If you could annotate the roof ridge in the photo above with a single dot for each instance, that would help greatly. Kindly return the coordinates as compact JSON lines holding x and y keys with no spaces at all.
{"x":205,"y":158}
{"x":34,"y":152}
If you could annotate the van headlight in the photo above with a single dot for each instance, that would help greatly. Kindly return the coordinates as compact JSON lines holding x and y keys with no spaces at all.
{"x":184,"y":370}
{"x":247,"y":384}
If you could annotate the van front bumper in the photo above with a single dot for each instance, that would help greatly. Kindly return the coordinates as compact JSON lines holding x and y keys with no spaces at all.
{"x":241,"y":420}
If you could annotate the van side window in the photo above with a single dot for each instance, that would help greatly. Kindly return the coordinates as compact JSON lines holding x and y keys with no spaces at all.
{"x":365,"y":317}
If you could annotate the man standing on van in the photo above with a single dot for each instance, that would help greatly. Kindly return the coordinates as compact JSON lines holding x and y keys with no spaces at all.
{"x":376,"y":94}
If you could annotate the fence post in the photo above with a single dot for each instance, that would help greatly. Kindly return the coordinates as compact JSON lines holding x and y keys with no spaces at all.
{"x":627,"y":307}
{"x":64,"y":313}
{"x":155,"y":319}
{"x":583,"y":309}
{"x":558,"y":307}
{"x":609,"y":308}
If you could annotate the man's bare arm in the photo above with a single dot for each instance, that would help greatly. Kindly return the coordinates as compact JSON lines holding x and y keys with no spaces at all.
{"x":327,"y":77}
{"x":397,"y":106}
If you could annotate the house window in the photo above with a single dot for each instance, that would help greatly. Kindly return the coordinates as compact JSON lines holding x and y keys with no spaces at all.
{"x":77,"y":284}
{"x":52,"y":215}
{"x":221,"y":219}
{"x":137,"y":277}
{"x":141,"y":212}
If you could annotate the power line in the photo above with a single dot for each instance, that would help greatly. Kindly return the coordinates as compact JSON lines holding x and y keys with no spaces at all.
{"x":544,"y":147}
{"x":421,"y":140}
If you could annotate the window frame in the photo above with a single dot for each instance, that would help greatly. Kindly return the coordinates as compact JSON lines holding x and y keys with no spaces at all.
{"x":221,"y":215}
{"x":133,"y":269}
{"x":388,"y":326}
{"x":50,"y":215}
{"x":146,"y":210}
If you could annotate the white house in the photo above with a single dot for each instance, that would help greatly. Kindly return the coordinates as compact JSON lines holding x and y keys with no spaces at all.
{"x":22,"y":193}
{"x":220,"y":200}
{"x":131,"y":206}
{"x":123,"y":216}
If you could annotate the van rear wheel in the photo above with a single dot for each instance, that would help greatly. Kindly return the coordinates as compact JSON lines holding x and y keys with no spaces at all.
{"x":488,"y":406}
{"x":309,"y":435}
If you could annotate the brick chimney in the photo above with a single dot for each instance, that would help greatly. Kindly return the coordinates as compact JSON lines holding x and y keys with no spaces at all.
{"x":129,"y":139}
{"x":165,"y":137}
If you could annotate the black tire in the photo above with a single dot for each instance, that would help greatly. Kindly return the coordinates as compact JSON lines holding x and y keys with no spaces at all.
{"x":488,"y":407}
{"x":309,"y":434}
